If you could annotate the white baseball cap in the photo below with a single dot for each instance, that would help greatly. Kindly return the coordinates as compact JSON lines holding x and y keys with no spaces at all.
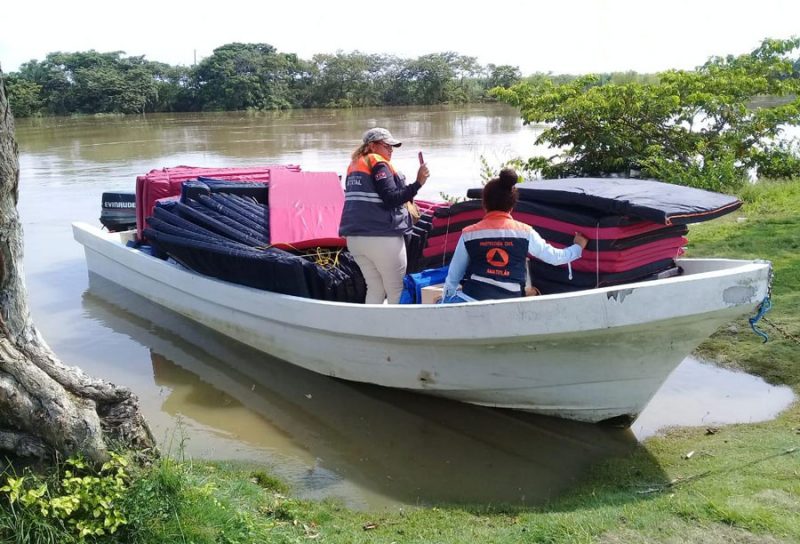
{"x":378,"y":134}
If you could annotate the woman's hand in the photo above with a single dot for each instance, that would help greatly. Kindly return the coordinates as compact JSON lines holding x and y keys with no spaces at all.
{"x":532,"y":291}
{"x":581,"y":240}
{"x":423,"y":174}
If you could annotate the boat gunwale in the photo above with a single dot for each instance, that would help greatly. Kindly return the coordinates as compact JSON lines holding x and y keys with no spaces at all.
{"x":503,"y":308}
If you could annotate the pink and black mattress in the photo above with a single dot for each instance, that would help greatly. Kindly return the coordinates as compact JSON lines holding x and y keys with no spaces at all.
{"x":167,"y":182}
{"x":229,"y":235}
{"x":193,"y":188}
{"x":548,"y":274}
{"x":636,"y":228}
{"x":663,"y":203}
{"x":558,"y":282}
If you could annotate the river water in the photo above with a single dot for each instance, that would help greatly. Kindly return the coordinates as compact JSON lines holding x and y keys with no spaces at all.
{"x":206,"y":396}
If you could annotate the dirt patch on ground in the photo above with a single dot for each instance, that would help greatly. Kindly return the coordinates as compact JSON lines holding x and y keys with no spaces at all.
{"x":779,"y":499}
{"x":714,"y":534}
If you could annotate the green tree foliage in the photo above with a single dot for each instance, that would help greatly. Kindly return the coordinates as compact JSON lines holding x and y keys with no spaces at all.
{"x":538,"y":78}
{"x":698,"y":127}
{"x":92,"y":82}
{"x":621,"y":78}
{"x":436,"y":79}
{"x":25,"y":95}
{"x":241,"y":76}
{"x":54,"y":85}
{"x":175,"y":88}
{"x":350,"y":79}
{"x":504,"y":76}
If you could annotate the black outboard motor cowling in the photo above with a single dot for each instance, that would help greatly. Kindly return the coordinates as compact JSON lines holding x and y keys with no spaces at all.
{"x":119,"y":211}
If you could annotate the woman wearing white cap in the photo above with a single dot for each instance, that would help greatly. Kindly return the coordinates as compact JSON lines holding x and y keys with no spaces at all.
{"x":375,"y":217}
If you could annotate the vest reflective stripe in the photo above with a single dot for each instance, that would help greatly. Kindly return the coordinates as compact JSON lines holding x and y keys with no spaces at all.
{"x":498,"y":248}
{"x":364,"y":212}
{"x":508,"y":286}
{"x":359,"y":176}
{"x":367,"y":197}
{"x":493,"y":234}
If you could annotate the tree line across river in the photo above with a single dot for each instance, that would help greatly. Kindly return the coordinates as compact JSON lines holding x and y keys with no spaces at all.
{"x":711,"y":127}
{"x":254,"y":76}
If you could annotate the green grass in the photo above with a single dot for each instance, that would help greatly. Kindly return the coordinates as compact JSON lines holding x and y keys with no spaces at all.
{"x":767,"y":228}
{"x":742,"y":484}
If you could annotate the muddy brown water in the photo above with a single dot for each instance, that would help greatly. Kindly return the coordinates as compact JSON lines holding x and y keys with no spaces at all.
{"x":206,"y":396}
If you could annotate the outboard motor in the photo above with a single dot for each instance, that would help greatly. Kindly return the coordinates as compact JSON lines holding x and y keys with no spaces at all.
{"x":119,"y":211}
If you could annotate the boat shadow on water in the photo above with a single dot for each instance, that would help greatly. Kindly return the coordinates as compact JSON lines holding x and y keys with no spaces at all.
{"x":396,"y":447}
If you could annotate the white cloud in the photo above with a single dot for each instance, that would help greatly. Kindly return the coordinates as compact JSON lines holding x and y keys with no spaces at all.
{"x":562,"y":37}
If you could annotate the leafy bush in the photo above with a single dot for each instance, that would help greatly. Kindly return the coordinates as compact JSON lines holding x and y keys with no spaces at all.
{"x":82,"y":502}
{"x":24,"y":96}
{"x":781,"y":161}
{"x":721,"y":175}
{"x":706,"y":127}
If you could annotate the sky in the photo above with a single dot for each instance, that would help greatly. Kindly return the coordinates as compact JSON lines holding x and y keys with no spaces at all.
{"x":562,"y":36}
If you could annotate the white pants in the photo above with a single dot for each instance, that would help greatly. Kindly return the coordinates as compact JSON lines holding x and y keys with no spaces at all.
{"x":382,"y":260}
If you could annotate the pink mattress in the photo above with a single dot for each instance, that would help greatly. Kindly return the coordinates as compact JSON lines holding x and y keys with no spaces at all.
{"x":627,"y":259}
{"x":592,"y":261}
{"x":595,"y":233}
{"x":305,"y":209}
{"x":166,"y":182}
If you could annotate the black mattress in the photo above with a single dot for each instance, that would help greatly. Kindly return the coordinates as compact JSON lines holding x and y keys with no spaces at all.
{"x":546,"y":274}
{"x":652,"y":200}
{"x":226,"y":236}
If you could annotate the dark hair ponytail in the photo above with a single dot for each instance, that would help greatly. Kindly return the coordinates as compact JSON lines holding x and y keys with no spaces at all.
{"x":500,"y":193}
{"x":508,"y":178}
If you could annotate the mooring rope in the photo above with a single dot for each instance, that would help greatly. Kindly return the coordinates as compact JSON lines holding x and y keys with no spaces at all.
{"x":763,"y":308}
{"x":781,"y":330}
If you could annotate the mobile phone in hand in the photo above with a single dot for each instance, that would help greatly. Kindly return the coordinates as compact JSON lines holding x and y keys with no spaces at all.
{"x":421,"y":160}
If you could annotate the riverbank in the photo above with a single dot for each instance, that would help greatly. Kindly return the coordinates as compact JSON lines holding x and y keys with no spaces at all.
{"x":735,"y":483}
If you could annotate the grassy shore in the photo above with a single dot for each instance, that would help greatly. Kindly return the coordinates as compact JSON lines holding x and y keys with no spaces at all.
{"x":740,"y":484}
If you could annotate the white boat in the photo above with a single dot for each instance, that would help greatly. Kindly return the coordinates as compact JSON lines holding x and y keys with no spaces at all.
{"x":591,"y":355}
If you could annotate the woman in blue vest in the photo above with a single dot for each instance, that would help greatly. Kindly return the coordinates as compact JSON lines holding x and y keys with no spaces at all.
{"x":491,"y":255}
{"x":375,"y":217}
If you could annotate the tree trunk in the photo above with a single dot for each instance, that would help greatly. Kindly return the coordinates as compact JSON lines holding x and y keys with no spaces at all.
{"x":46,"y":408}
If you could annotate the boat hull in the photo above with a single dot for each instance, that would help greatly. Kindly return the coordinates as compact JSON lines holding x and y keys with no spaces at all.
{"x":590,"y":356}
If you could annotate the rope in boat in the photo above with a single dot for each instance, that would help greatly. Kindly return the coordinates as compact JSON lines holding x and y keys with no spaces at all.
{"x":596,"y":255}
{"x":446,"y":233}
{"x":326,"y":258}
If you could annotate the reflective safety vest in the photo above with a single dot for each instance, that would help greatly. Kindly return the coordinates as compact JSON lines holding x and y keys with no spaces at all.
{"x":498,"y":248}
{"x":364,"y":212}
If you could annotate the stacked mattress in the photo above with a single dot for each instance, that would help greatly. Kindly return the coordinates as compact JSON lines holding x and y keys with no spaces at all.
{"x":167,"y":182}
{"x":432,"y":240}
{"x":222,"y":229}
{"x":636,"y":228}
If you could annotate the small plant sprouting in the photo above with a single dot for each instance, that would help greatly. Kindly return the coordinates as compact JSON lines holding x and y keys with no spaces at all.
{"x":83,"y":499}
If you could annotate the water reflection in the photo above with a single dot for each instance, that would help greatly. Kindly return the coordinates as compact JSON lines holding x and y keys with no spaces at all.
{"x":256,"y":135}
{"x":113,"y":151}
{"x":370,"y":446}
{"x":699,"y":393}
